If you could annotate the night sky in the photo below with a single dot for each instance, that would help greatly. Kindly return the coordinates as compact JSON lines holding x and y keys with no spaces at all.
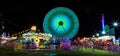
{"x":20,"y":15}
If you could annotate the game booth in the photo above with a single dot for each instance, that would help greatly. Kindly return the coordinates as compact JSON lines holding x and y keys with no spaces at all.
{"x":7,"y":41}
{"x":108,"y":38}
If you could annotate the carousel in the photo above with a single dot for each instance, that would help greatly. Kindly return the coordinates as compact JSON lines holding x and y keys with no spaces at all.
{"x":34,"y":40}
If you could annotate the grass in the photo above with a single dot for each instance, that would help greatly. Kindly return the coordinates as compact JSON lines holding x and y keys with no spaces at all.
{"x":92,"y":51}
{"x":79,"y":52}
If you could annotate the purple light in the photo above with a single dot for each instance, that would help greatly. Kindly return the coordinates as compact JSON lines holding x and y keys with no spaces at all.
{"x":103,"y":24}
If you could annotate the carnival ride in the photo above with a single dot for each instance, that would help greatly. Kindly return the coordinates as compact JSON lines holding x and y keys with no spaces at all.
{"x":34,"y":40}
{"x":62,"y":23}
{"x":39,"y":39}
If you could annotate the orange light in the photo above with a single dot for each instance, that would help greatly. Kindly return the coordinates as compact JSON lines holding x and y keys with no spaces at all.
{"x":33,"y":28}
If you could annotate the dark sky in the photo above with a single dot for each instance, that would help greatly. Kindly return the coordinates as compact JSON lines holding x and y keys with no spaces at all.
{"x":20,"y":15}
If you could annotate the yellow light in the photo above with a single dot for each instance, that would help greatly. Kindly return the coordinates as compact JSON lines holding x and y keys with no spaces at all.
{"x":18,"y":33}
{"x":33,"y":28}
{"x":14,"y":37}
{"x":18,"y":45}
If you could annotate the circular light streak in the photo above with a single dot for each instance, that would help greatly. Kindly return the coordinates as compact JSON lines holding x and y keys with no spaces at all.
{"x":61,"y":22}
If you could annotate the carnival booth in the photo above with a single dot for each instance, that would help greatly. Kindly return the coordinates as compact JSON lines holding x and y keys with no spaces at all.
{"x":65,"y":44}
{"x":106,"y":38}
{"x":7,"y":41}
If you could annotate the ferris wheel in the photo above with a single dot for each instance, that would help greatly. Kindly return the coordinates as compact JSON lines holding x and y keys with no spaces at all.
{"x":61,"y":22}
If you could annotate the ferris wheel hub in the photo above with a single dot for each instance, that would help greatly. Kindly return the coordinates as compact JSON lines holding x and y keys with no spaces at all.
{"x":60,"y":23}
